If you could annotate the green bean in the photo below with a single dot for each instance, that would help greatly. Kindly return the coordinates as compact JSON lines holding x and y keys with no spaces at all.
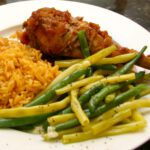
{"x":146,"y":79}
{"x":93,"y":104}
{"x":105,"y":67}
{"x":30,"y":127}
{"x":97,"y":98}
{"x":9,"y":123}
{"x":45,"y":125}
{"x":84,"y":98}
{"x":67,"y":125}
{"x":121,"y":98}
{"x":84,"y":49}
{"x":123,"y":70}
{"x":49,"y":94}
{"x":83,"y":44}
{"x":25,"y":128}
{"x":138,"y":77}
{"x":89,"y":72}
{"x":130,"y":64}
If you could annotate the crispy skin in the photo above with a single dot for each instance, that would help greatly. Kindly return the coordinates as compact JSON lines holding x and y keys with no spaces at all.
{"x":54,"y":32}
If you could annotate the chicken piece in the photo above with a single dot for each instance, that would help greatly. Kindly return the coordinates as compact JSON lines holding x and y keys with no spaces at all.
{"x":54,"y":32}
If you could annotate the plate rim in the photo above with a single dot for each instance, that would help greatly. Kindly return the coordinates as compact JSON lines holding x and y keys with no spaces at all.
{"x":145,"y":30}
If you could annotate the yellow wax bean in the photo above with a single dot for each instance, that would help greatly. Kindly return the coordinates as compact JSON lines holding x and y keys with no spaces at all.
{"x":118,"y":59}
{"x":78,"y":84}
{"x":77,"y":109}
{"x":54,"y":120}
{"x":128,"y":105}
{"x":111,"y":60}
{"x":125,"y":128}
{"x":137,"y":116}
{"x":146,"y":92}
{"x":97,"y":57}
{"x":110,"y":80}
{"x":34,"y":110}
{"x":110,"y":97}
{"x":52,"y":135}
{"x":106,"y":124}
{"x":67,"y":63}
{"x":69,"y":131}
{"x":134,"y":104}
{"x":115,"y":130}
{"x":105,"y":116}
{"x":77,"y":137}
{"x":70,"y":70}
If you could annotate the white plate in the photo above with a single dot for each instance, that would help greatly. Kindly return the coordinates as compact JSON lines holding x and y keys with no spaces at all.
{"x":123,"y":30}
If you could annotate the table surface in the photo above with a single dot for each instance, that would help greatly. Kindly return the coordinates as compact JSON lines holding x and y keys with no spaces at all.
{"x":137,"y":10}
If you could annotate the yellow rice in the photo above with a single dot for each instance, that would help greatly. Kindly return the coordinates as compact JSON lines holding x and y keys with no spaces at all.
{"x":23,"y":74}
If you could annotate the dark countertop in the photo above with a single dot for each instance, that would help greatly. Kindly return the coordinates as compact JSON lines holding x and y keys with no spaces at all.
{"x":137,"y":10}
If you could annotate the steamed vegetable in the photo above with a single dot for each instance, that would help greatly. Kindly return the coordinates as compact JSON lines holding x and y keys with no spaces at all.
{"x":77,"y":109}
{"x":111,"y":60}
{"x":121,"y":98}
{"x":95,"y":80}
{"x":84,"y":98}
{"x":97,"y":98}
{"x":83,"y":44}
{"x":34,"y":110}
{"x":130,"y":64}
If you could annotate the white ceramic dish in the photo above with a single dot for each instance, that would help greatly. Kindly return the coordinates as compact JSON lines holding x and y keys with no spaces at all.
{"x":123,"y":30}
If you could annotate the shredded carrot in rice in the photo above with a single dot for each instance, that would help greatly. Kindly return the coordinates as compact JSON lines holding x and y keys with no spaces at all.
{"x":23,"y":74}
